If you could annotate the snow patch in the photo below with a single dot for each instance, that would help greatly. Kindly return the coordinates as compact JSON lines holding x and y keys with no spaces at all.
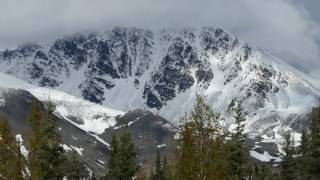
{"x":265,"y":157}
{"x":66,"y":147}
{"x":78,"y":150}
{"x":23,"y":149}
{"x":161,"y":145}
{"x":89,"y":116}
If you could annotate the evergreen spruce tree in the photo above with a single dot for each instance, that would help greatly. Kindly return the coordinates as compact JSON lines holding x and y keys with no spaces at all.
{"x":113,"y":169}
{"x":46,"y":155}
{"x":304,"y":156}
{"x":264,"y":173}
{"x":161,"y":170}
{"x":314,"y":150}
{"x":289,"y":166}
{"x":158,"y":173}
{"x":240,"y":158}
{"x":304,"y":147}
{"x":73,"y":166}
{"x":128,"y":158}
{"x":54,"y":152}
{"x":186,"y":165}
{"x":123,"y":159}
{"x":219,"y":155}
{"x":201,"y":146}
{"x":37,"y":141}
{"x":10,"y":156}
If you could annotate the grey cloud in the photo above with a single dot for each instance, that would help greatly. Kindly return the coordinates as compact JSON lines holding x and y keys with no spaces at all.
{"x":285,"y":28}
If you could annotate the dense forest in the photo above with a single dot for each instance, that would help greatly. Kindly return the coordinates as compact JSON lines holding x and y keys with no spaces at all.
{"x":205,"y":151}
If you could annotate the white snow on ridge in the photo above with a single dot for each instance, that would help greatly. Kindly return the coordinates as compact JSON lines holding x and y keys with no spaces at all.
{"x":89,"y":116}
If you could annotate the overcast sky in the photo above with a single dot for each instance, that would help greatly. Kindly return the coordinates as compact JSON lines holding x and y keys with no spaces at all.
{"x":289,"y":29}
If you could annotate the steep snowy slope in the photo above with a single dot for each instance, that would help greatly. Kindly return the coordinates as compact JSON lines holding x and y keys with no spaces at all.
{"x":85,"y":126}
{"x":128,"y":68}
{"x":87,"y":116}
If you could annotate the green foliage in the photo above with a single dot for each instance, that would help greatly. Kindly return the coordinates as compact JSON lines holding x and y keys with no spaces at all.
{"x":314,"y":160}
{"x":303,"y":163}
{"x":264,"y":173}
{"x":11,"y":160}
{"x":46,"y":155}
{"x":157,"y":175}
{"x":202,"y":152}
{"x":239,"y":152}
{"x":289,"y":163}
{"x":161,"y":171}
{"x":54,"y":155}
{"x":141,"y":175}
{"x":73,"y":166}
{"x":304,"y":157}
{"x":128,"y":157}
{"x":114,"y":161}
{"x":123,"y":159}
{"x":36,"y":143}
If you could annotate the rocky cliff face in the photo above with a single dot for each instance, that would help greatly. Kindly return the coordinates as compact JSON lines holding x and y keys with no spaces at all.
{"x":162,"y":71}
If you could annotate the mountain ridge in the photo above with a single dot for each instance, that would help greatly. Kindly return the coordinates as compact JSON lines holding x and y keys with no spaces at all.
{"x":128,"y":68}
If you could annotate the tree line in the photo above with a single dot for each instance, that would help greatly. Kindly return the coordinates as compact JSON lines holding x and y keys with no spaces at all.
{"x":302,"y":162}
{"x":205,"y":151}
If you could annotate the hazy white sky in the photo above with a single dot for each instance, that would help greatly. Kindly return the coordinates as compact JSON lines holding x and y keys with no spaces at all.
{"x":289,"y":29}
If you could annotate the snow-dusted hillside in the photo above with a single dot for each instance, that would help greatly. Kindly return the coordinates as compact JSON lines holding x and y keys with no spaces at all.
{"x":84,"y":126}
{"x":129,"y":68}
{"x":88,"y":116}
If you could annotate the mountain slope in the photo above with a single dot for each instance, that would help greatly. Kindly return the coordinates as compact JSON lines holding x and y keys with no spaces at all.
{"x":162,"y":71}
{"x":16,"y":110}
{"x":86,"y":127}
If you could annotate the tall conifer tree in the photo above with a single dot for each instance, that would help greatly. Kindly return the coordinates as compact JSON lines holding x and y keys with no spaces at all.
{"x":289,"y":166}
{"x":113,"y":169}
{"x":37,"y":142}
{"x":314,"y":160}
{"x":161,"y":170}
{"x":201,"y":145}
{"x":10,"y":156}
{"x":240,"y":158}
{"x":123,"y":159}
{"x":46,"y":155}
{"x":54,"y":152}
{"x":304,"y":156}
{"x":128,"y":157}
{"x":73,"y":166}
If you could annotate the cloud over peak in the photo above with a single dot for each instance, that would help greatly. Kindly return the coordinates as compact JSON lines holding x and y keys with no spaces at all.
{"x":282,"y":27}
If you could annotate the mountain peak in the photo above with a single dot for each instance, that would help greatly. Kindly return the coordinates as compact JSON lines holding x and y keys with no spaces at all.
{"x":162,"y":71}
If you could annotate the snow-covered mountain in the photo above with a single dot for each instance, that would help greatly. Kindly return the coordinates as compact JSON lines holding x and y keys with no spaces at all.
{"x":162,"y":71}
